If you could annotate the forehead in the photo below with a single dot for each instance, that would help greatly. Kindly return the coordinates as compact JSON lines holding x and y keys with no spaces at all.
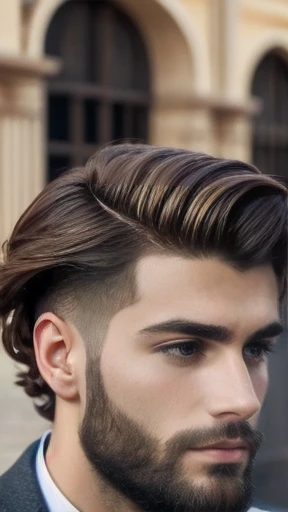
{"x":202,"y":287}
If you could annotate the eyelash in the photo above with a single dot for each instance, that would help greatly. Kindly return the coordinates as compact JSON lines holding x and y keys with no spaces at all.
{"x":265,"y":346}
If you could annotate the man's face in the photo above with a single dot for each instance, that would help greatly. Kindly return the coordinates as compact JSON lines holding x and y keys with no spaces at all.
{"x":172,"y":402}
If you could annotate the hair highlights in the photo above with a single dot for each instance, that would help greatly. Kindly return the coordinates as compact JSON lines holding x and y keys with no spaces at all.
{"x":82,"y":236}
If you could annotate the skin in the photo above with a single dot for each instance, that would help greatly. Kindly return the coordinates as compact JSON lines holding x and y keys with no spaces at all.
{"x":220,"y":383}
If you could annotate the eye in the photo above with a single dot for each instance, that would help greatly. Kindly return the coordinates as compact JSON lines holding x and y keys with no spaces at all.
{"x":258,"y":350}
{"x":183,"y":352}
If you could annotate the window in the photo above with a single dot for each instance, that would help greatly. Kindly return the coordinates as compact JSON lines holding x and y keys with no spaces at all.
{"x":270,"y":137}
{"x":102,"y":93}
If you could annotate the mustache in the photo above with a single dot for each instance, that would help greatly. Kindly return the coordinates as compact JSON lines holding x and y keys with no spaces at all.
{"x":193,"y":440}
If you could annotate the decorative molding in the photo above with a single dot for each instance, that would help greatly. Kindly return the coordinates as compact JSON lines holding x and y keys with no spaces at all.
{"x":19,"y":113}
{"x":218,"y":105}
{"x":22,"y":65}
{"x":270,"y":13}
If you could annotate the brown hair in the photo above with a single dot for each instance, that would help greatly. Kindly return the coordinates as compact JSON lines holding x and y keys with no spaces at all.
{"x":87,"y":228}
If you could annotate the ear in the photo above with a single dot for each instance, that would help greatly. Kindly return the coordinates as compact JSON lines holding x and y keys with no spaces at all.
{"x":53,"y":344}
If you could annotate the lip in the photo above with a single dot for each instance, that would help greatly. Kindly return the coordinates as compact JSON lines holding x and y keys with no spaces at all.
{"x":226,"y":445}
{"x":224,"y":452}
{"x":218,"y":455}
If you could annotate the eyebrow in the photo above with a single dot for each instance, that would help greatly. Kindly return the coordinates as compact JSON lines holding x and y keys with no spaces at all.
{"x":208,"y":331}
{"x":269,"y":331}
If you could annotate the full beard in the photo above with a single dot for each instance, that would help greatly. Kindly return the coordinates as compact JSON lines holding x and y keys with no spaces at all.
{"x":131,"y":461}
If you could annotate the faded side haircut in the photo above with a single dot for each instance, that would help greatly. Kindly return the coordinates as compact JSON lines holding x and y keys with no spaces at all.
{"x":74,"y":249}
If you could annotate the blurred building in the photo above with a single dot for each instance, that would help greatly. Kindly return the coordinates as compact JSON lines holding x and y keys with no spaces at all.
{"x":208,"y":75}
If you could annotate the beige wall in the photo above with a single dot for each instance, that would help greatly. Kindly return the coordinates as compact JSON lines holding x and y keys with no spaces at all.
{"x":202,"y":53}
{"x":10,"y":27}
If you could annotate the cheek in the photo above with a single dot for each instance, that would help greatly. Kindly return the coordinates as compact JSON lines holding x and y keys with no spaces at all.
{"x":148,"y":391}
{"x":260,"y":381}
{"x":133,"y":385}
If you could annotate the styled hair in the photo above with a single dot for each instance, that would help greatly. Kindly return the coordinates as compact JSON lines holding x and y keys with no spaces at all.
{"x":79,"y":239}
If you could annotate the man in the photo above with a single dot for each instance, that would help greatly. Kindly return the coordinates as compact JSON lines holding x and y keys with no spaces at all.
{"x":143,"y":292}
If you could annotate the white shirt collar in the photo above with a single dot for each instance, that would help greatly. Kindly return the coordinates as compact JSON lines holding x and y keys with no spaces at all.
{"x":253,"y":509}
{"x":54,"y":498}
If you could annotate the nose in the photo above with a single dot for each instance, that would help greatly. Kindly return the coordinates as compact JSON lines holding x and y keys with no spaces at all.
{"x":232,"y":396}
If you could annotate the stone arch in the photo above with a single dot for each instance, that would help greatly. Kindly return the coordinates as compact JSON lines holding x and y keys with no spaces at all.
{"x":267,"y":44}
{"x":179,"y":64}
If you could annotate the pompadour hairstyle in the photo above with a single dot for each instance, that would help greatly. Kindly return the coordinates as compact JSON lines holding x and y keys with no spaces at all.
{"x":85,"y":230}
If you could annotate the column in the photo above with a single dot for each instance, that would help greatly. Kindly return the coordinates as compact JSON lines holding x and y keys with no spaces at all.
{"x":21,"y":153}
{"x":233,"y":133}
{"x":223,"y":44}
{"x":183,"y":123}
{"x":22,"y":136}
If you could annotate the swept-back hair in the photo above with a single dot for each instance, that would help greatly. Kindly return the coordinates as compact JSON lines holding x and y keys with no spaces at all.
{"x":86,"y":229}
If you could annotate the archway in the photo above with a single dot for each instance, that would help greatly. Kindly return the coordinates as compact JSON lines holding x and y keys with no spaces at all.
{"x":179,"y":63}
{"x":270,"y":130}
{"x":103,"y":90}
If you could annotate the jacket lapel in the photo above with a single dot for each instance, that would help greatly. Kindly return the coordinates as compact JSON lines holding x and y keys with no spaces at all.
{"x":19,"y":488}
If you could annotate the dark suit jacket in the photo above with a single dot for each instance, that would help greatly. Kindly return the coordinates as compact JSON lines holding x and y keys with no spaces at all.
{"x":19,"y":488}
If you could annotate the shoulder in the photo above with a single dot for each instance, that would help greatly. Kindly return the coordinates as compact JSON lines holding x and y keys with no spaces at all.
{"x":19,"y":486}
{"x":25,"y":461}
